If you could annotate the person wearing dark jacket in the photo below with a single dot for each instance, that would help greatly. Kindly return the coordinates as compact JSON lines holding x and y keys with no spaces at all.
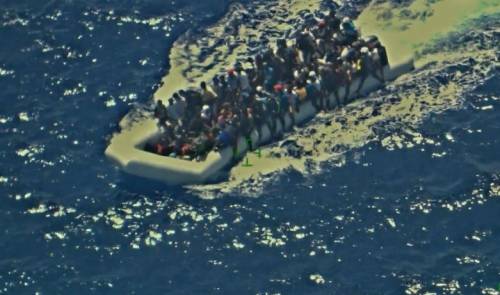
{"x":161,"y":113}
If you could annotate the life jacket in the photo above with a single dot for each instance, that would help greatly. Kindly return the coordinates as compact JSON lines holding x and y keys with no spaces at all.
{"x":159,"y":149}
{"x":186,"y":149}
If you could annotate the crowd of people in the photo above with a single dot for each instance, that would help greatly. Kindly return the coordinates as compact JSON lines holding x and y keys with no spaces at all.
{"x":312,"y":62}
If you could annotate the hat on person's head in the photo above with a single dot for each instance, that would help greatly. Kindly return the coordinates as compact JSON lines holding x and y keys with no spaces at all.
{"x":365,"y":49}
{"x":278,"y":87}
{"x":205,"y":107}
{"x":259,"y":88}
{"x":312,"y":74}
{"x":346,"y":20}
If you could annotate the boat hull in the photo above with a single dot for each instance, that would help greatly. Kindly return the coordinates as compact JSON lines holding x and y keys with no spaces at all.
{"x":126,"y":148}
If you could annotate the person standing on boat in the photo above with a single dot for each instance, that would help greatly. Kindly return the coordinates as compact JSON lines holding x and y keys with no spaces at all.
{"x":305,"y":43}
{"x":288,"y":58}
{"x":283,"y":105}
{"x":193,"y":100}
{"x":293,"y":99}
{"x":265,"y":110}
{"x":364,"y":68}
{"x":243,"y":82}
{"x":232,"y":82}
{"x":332,"y":21}
{"x":381,"y":58}
{"x":349,"y":30}
{"x":269,"y":76}
{"x":160,"y":112}
{"x":321,"y":31}
{"x":174,"y":111}
{"x":207,"y":93}
{"x":313,"y":90}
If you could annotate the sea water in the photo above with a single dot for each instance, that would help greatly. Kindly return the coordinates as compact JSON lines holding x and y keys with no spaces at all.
{"x":413,"y":210}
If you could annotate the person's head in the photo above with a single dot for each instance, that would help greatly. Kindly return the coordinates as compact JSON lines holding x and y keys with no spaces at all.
{"x":332,"y":12}
{"x":321,"y":24}
{"x":259,"y":89}
{"x":238,"y":67}
{"x":203,"y":85}
{"x":278,"y":87}
{"x":230,"y":72}
{"x":159,"y":102}
{"x":222,"y":79}
{"x":364,"y":50}
{"x":289,"y":89}
{"x":182,"y":92}
{"x":171,"y":100}
{"x":215,"y":80}
{"x":176,"y":96}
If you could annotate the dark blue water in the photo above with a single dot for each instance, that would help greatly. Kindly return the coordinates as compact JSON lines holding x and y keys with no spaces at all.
{"x":385,"y":223}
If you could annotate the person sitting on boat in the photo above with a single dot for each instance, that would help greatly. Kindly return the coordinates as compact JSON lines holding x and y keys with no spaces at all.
{"x":220,"y":121}
{"x":202,"y":144}
{"x":160,"y":113}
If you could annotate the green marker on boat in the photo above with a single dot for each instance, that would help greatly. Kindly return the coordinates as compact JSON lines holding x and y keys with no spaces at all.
{"x":247,"y":163}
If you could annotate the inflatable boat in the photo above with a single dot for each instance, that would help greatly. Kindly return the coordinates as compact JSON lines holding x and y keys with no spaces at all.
{"x":127,"y":147}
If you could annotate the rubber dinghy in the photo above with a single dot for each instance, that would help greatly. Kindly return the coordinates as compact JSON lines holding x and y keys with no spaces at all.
{"x":127,"y":147}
